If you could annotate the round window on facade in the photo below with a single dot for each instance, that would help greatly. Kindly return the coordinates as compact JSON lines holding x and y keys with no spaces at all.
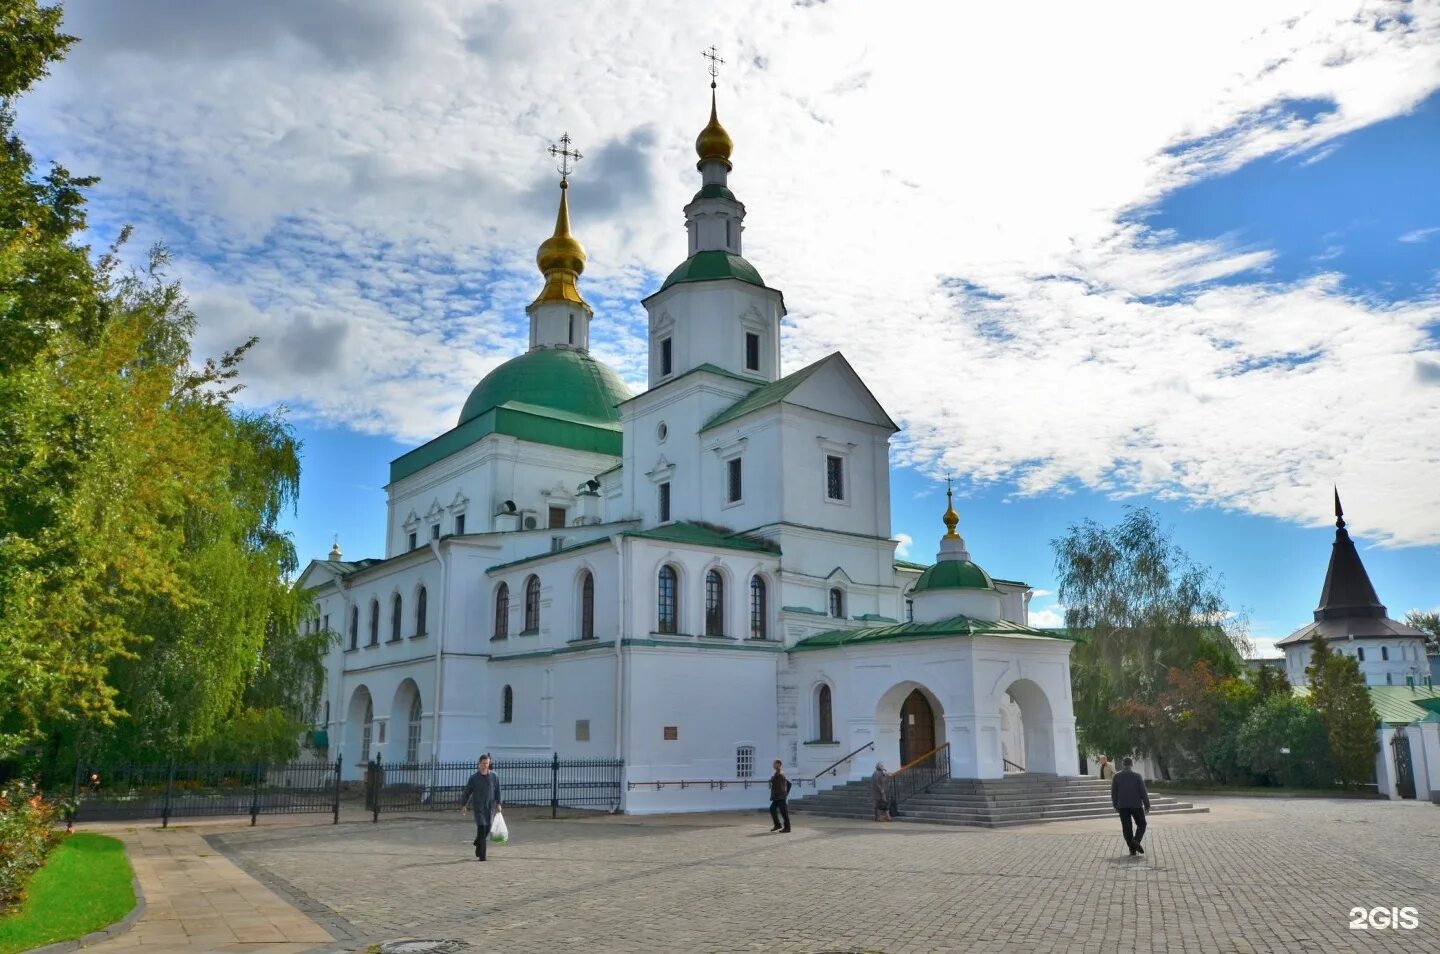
{"x":661,"y":433}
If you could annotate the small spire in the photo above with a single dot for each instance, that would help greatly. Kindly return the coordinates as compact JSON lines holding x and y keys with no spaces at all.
{"x":1339,"y":511}
{"x":561,"y":258}
{"x":714,"y":142}
{"x":335,"y":548}
{"x":951,"y":518}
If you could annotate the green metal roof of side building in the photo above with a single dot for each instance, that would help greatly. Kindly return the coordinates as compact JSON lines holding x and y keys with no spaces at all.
{"x":911,"y":632}
{"x":713,"y":265}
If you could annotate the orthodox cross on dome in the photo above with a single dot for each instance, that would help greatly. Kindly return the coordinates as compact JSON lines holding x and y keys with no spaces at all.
{"x":566,"y":155}
{"x":715,"y":63}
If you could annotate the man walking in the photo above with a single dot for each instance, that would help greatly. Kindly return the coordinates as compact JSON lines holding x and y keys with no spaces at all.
{"x":779,"y":792}
{"x":483,"y":790}
{"x":1132,"y":801}
{"x":1106,"y":769}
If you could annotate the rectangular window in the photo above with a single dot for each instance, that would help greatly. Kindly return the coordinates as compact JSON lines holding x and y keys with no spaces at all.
{"x":557,"y":544}
{"x":666,"y":357}
{"x":745,"y":761}
{"x":572,"y":329}
{"x":582,"y":730}
{"x":325,"y":624}
{"x":434,"y":531}
{"x":672,"y":733}
{"x":1360,"y":655}
{"x":459,"y":524}
{"x":557,"y":518}
{"x":665,"y":502}
{"x":412,"y":541}
{"x":1384,"y":652}
{"x":733,"y":486}
{"x":752,"y":351}
{"x":834,"y":477}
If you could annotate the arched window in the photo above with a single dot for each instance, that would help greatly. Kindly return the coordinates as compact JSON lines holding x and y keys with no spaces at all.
{"x":532,"y":605}
{"x":420,"y":612}
{"x":412,"y":731}
{"x":354,"y":627}
{"x":507,"y":705}
{"x":909,"y":609}
{"x":824,"y":719}
{"x":395,"y":618}
{"x":367,"y":729}
{"x":374,"y":622}
{"x":714,"y":604}
{"x":759,"y":612}
{"x":667,"y":605}
{"x":587,"y":606}
{"x":502,"y":611}
{"x":837,"y":603}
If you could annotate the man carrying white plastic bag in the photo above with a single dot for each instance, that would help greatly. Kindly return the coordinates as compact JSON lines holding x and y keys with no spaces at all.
{"x":483,"y":790}
{"x":499,"y":833}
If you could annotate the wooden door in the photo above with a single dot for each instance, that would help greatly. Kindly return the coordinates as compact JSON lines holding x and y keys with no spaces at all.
{"x":917,"y":727}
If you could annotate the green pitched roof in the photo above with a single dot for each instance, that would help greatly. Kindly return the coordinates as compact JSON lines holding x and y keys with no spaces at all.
{"x":704,"y":536}
{"x":713,"y":265}
{"x":772,"y":393}
{"x":907,"y":565}
{"x":911,"y":632}
{"x":1398,"y":705}
{"x":953,"y":575}
{"x":714,"y":191}
{"x":548,"y":396}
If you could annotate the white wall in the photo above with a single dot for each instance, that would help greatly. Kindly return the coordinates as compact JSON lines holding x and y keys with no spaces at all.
{"x":1406,"y":658}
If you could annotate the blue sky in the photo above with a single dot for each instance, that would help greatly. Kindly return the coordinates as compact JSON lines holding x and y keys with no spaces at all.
{"x":1185,"y":257}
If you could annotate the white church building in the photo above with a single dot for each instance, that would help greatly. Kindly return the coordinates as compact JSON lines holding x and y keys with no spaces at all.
{"x":696,"y":579}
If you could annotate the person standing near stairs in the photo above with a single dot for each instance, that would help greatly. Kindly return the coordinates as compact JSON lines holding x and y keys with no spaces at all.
{"x":1132,"y":801}
{"x":779,"y":792}
{"x":880,"y":792}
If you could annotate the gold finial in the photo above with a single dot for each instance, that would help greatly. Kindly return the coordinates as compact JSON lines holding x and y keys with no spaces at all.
{"x":561,"y":258}
{"x":951,"y":518}
{"x":335,"y":548}
{"x":714,"y":142}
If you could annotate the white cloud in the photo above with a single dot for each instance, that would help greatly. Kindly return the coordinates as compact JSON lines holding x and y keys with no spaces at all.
{"x":1419,"y":235}
{"x":902,"y":552}
{"x":954,"y":207}
{"x":1265,"y":647}
{"x":1052,"y":617}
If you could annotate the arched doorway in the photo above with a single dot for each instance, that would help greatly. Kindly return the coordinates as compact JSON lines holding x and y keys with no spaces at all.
{"x":917,"y":727}
{"x":1037,"y":726}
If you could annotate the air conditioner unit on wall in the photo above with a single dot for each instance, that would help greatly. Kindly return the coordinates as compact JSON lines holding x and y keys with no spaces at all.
{"x":529,"y":520}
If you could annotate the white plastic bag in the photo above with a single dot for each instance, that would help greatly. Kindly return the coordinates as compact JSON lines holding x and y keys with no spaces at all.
{"x":498,"y":832}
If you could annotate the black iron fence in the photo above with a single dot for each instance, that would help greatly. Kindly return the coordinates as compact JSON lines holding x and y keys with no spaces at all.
{"x":187,"y":790}
{"x":917,"y":776}
{"x":438,"y":786}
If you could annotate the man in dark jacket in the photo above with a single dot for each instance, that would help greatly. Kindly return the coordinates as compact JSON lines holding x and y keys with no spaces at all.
{"x":483,"y":790}
{"x":1128,"y":796}
{"x":779,"y":791}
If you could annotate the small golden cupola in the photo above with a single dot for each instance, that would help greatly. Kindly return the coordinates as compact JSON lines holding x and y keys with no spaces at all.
{"x":713,"y":142}
{"x":561,"y":257}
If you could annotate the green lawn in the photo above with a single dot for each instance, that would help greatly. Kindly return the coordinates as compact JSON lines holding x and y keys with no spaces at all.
{"x":84,"y":886}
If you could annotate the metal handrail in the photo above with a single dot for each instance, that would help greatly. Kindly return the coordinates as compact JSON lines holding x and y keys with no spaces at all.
{"x":919,"y":774}
{"x":840,"y":761}
{"x":713,"y":783}
{"x":1018,"y":768}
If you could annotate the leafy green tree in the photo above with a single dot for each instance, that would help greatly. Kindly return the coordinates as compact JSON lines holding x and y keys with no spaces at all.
{"x":1429,"y":624}
{"x":1340,"y":699}
{"x":1282,"y":742}
{"x":1270,"y":681}
{"x":1141,"y":608}
{"x":144,"y":604}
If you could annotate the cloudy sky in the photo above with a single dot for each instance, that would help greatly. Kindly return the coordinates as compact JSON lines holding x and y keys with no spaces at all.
{"x":1089,"y":255}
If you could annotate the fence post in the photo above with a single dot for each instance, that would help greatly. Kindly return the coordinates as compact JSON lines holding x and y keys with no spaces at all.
{"x":375,"y":787}
{"x":339,"y":760}
{"x":169,"y":787}
{"x":554,"y":784}
{"x":255,"y":795}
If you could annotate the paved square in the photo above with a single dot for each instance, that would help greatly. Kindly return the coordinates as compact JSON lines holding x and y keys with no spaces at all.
{"x":1256,"y":875}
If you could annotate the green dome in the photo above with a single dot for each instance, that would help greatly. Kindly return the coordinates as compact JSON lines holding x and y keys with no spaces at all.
{"x":712,"y":265}
{"x":571,"y":382}
{"x":953,"y":575}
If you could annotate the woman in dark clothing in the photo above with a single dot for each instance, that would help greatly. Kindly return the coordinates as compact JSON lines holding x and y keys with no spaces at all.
{"x":483,"y":790}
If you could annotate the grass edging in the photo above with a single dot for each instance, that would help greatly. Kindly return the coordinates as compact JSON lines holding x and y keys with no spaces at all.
{"x":1261,"y":792}
{"x":39,"y":906}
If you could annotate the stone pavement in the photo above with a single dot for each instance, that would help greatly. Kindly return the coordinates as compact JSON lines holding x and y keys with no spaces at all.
{"x":197,"y":900}
{"x":1255,"y":875}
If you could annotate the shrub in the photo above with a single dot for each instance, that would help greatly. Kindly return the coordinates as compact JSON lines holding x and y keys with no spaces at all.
{"x":1283,"y":743}
{"x":27,"y":833}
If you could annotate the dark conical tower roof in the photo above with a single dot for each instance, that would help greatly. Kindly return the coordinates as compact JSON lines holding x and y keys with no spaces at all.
{"x":1348,"y":591}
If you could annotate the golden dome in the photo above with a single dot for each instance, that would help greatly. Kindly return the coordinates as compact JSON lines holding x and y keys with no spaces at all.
{"x":561,"y":259}
{"x":951,"y":518}
{"x":714,"y":142}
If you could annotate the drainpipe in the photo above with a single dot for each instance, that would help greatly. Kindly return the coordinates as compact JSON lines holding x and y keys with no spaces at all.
{"x":618,"y":541}
{"x":439,"y":649}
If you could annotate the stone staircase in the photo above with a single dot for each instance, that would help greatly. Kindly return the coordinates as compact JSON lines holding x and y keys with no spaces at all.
{"x":989,"y":803}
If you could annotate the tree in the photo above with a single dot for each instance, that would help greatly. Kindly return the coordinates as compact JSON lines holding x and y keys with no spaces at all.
{"x":144,"y":603}
{"x":1340,"y":699}
{"x":1140,"y":608}
{"x":1429,"y":624}
{"x":1271,"y":681}
{"x":1283,"y":743}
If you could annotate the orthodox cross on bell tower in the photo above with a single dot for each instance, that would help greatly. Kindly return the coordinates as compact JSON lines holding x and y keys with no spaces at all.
{"x":567,"y":156}
{"x":715,"y":63}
